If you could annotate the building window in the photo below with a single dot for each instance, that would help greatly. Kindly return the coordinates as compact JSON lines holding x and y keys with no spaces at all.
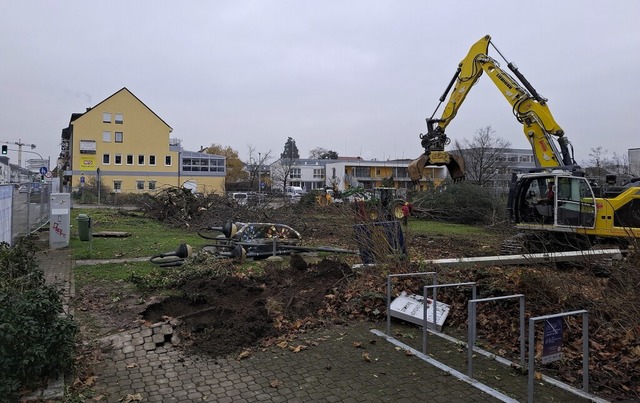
{"x":117,"y":159}
{"x":117,"y":186}
{"x":106,"y":117}
{"x":202,"y":164}
{"x":140,"y":159}
{"x":152,"y":160}
{"x":152,"y":185}
{"x":363,"y":172}
{"x":129,"y":159}
{"x":140,"y":185}
{"x":119,"y":137}
{"x":318,"y":173}
{"x":167,"y":160}
{"x":106,"y":136}
{"x":105,"y":159}
{"x":400,"y":172}
{"x":119,"y":118}
{"x":295,"y":173}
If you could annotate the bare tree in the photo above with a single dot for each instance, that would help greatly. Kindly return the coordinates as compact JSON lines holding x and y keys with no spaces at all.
{"x":598,"y":160}
{"x":618,"y":164}
{"x":256,"y":162}
{"x":484,"y":156}
{"x":281,"y":171}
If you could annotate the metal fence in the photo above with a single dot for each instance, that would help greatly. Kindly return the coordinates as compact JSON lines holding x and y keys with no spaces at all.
{"x":24,"y":208}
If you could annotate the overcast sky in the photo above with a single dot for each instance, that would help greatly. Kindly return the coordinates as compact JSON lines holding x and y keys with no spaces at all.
{"x":356,"y":77}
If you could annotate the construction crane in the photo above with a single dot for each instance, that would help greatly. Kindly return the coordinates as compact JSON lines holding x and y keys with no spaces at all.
{"x":19,"y":143}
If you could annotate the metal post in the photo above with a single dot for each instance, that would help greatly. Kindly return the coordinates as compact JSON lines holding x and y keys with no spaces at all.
{"x":530,"y":369}
{"x":585,"y":352}
{"x":99,"y":183}
{"x":389,"y":306}
{"x":28,"y":229}
{"x":522,"y":336}
{"x":259,"y":176}
{"x":471,"y":335}
{"x":425,"y":340}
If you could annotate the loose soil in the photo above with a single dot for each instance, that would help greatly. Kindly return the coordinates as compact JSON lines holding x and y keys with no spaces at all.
{"x":223,"y":315}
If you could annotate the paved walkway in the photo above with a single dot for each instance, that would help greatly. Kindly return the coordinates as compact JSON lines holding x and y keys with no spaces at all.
{"x":345,"y":363}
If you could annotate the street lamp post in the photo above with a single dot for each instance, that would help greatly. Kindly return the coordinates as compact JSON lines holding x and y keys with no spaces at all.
{"x":259,"y":176}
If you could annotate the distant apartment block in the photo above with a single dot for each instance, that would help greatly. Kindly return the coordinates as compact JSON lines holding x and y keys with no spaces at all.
{"x":346,"y":173}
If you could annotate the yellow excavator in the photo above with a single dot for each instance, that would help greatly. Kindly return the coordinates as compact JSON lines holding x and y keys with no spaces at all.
{"x":572,"y":207}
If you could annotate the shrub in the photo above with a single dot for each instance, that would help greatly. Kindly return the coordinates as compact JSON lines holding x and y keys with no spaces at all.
{"x":36,"y":340}
{"x":462,"y":203}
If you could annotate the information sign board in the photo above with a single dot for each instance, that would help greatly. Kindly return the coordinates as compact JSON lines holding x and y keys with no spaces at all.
{"x":552,"y":343}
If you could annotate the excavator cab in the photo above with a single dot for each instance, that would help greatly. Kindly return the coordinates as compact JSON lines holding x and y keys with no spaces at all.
{"x":558,"y":200}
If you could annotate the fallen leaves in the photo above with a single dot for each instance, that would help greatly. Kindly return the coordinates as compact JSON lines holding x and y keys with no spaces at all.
{"x":131,"y":398}
{"x":298,"y":348}
{"x":366,"y":357}
{"x":244,"y":354}
{"x":88,"y":381}
{"x":275,"y":383}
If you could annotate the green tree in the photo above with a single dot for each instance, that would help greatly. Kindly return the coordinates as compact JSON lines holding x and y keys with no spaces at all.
{"x":323,"y":154}
{"x":290,"y":150}
{"x":235,"y":167}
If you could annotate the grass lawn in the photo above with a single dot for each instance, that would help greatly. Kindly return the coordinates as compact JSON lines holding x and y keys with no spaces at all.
{"x":148,"y":237}
{"x":424,"y":227}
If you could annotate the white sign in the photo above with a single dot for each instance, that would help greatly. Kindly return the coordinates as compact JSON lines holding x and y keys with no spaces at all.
{"x":87,"y":146}
{"x":411,"y":309}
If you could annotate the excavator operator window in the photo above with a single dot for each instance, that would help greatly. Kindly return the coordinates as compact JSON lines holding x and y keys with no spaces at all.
{"x":576,"y":206}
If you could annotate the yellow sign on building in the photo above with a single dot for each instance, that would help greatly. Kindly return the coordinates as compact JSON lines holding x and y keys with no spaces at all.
{"x":88,"y":162}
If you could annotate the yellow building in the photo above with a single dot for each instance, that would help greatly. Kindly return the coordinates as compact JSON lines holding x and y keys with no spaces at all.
{"x":129,"y":147}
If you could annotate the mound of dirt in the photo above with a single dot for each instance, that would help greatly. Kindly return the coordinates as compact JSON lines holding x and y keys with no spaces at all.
{"x":223,"y":315}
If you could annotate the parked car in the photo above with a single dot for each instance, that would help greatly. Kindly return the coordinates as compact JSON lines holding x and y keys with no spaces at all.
{"x":32,"y":188}
{"x":293,"y":191}
{"x":240,"y":197}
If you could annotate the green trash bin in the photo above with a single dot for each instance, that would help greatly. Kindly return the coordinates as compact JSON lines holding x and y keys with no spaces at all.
{"x":84,"y":227}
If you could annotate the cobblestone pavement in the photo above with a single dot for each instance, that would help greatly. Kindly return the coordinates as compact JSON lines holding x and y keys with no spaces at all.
{"x":341,"y":364}
{"x":344,"y":363}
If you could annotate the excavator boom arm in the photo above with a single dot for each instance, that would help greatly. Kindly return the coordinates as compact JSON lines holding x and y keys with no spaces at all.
{"x":528,"y":106}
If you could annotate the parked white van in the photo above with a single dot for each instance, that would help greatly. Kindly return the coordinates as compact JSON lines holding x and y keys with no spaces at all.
{"x":293,"y":191}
